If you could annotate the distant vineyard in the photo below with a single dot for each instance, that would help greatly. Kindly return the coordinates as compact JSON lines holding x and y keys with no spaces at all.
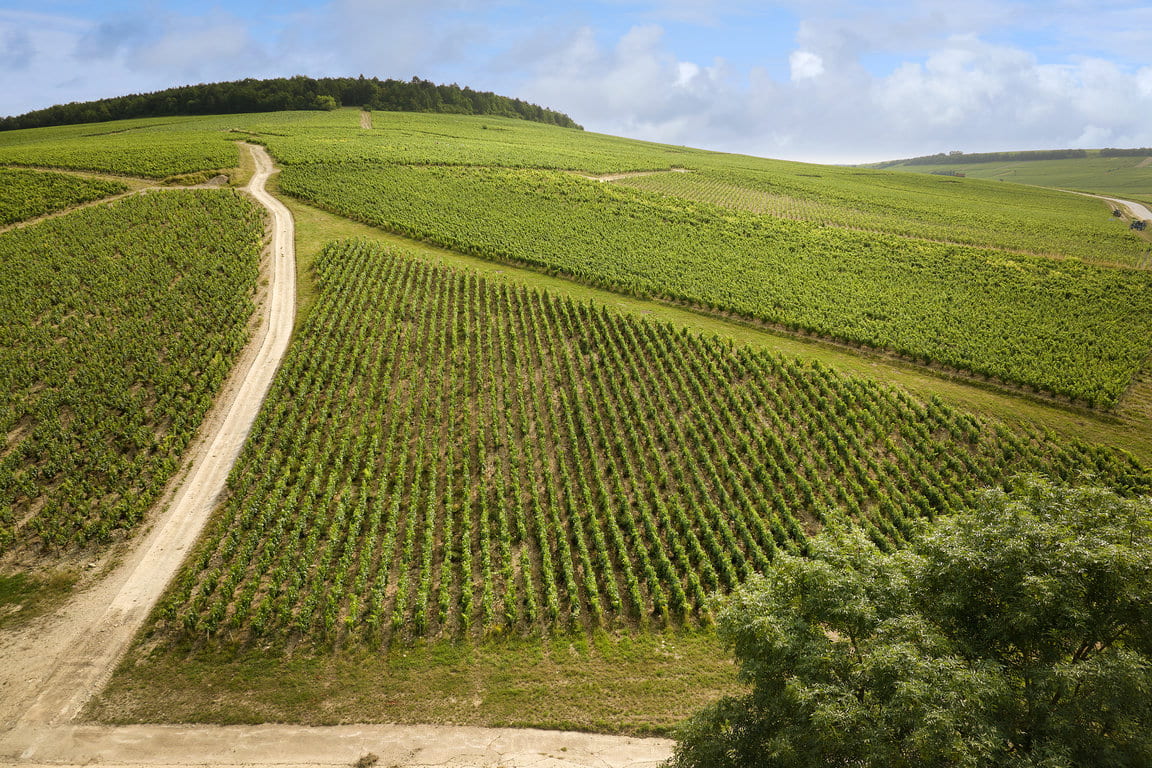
{"x":150,"y":148}
{"x":979,"y":310}
{"x":410,"y":138}
{"x":980,"y":213}
{"x":476,"y":184}
{"x":27,"y":194}
{"x":117,"y":326}
{"x":441,"y":455}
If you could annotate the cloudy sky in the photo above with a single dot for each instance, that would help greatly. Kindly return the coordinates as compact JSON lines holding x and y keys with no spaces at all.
{"x":832,"y":81}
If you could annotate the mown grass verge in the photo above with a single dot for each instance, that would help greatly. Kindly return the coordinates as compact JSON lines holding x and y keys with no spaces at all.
{"x":634,"y":684}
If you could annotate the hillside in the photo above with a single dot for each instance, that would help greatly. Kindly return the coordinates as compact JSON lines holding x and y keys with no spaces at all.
{"x":558,"y":389}
{"x":1125,"y":173}
{"x":280,"y":94}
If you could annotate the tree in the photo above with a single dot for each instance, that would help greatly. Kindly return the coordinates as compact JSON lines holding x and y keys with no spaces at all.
{"x":1017,"y":634}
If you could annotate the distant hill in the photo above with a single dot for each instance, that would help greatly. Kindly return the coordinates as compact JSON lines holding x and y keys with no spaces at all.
{"x":940,"y":158}
{"x":1107,"y":171}
{"x":297,"y":92}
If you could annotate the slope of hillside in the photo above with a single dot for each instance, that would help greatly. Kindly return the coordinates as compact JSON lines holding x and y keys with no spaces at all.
{"x":117,"y":325}
{"x":26,"y":194}
{"x":299,"y":92}
{"x":447,"y":459}
{"x":1128,"y":175}
{"x":478,"y":486}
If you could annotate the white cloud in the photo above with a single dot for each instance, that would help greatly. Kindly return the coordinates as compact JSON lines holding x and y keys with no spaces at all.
{"x":210,"y":47}
{"x":965,"y":94}
{"x":805,"y":65}
{"x":897,"y":79}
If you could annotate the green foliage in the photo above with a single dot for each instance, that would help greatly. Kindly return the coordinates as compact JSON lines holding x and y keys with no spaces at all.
{"x":476,"y":185}
{"x":441,"y":455}
{"x":421,"y":139}
{"x":1117,"y":172}
{"x":982,"y":213}
{"x":152,"y":148}
{"x":117,"y":326}
{"x":998,"y":157}
{"x":978,"y":310}
{"x":1016,"y":634}
{"x":28,"y":194}
{"x":292,"y":93}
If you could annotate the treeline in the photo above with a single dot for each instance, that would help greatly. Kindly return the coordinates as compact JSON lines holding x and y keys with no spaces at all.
{"x":297,"y":92}
{"x":1137,"y":152}
{"x":941,"y":158}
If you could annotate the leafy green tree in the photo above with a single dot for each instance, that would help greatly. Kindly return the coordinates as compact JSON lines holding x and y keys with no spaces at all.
{"x":1016,"y":634}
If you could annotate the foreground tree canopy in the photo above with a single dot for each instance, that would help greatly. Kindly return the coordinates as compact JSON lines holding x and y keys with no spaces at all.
{"x":1017,"y":634}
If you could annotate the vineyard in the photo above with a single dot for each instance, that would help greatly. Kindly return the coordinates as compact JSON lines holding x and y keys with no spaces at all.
{"x":979,"y":310}
{"x":118,"y":324}
{"x":27,"y":194}
{"x":153,"y":148}
{"x":940,"y":271}
{"x":934,"y":208}
{"x":444,"y":456}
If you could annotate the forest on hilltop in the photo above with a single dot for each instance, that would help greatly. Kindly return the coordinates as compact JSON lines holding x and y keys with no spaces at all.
{"x":299,"y":92}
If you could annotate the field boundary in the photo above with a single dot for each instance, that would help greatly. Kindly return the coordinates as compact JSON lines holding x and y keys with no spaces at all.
{"x":393,"y":745}
{"x":136,"y":186}
{"x":937,"y":370}
{"x":1111,"y":427}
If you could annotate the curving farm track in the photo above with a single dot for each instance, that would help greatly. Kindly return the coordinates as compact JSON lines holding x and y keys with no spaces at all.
{"x":46,"y":678}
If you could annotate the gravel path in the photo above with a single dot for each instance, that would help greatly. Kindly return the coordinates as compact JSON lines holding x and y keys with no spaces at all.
{"x":1137,"y":210}
{"x":412,"y":746}
{"x":50,"y":670}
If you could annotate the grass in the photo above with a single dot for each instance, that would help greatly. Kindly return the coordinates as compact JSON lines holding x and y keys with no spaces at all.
{"x":1130,"y":429}
{"x":23,"y":597}
{"x":638,"y":685}
{"x":1106,"y":175}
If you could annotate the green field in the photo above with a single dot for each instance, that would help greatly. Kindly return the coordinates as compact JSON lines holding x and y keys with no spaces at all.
{"x":937,"y":208}
{"x":445,"y":461}
{"x":1127,"y":177}
{"x":153,"y":147}
{"x":479,"y":470}
{"x":444,"y":457}
{"x":864,"y":257}
{"x":988,"y":312}
{"x":117,"y":325}
{"x":27,"y":194}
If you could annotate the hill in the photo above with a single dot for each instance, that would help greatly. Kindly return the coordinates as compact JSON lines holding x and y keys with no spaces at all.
{"x":1122,"y":172}
{"x":281,"y":93}
{"x":501,"y":457}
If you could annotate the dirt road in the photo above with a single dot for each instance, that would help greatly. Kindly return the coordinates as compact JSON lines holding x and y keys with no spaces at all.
{"x":1137,"y":210}
{"x":631,"y":174}
{"x":49,"y":672}
{"x":412,"y":746}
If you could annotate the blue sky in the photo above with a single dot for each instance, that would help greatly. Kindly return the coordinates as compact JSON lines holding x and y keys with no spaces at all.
{"x":834,"y":81}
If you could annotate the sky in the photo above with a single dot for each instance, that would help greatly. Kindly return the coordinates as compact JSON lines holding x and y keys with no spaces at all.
{"x":833,"y":81}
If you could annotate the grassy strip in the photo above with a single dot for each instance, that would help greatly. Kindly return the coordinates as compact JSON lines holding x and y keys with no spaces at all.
{"x":639,"y":685}
{"x":24,"y":597}
{"x":1131,"y":432}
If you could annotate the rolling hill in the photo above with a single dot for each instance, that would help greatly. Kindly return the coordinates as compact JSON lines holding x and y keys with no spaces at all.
{"x":549,"y":390}
{"x":1125,"y":173}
